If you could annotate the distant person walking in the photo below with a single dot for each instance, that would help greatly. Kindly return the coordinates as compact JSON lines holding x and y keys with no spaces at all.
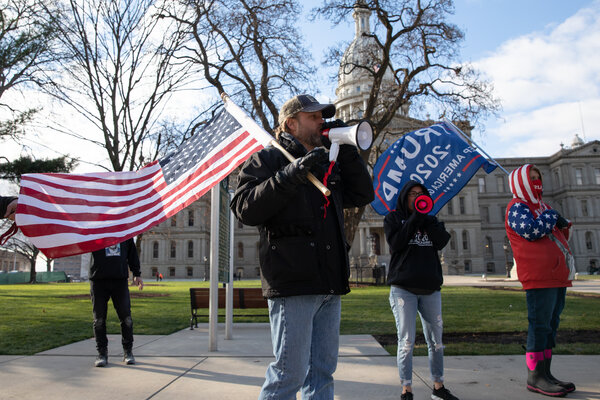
{"x":109,"y":280}
{"x":538,"y":236}
{"x":415,"y":275}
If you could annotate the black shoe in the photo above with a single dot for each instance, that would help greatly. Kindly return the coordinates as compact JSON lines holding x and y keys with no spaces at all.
{"x":128,"y":357}
{"x":101,"y":360}
{"x":406,"y":396}
{"x":442,"y":394}
{"x":568,"y":386}
{"x":538,"y":381}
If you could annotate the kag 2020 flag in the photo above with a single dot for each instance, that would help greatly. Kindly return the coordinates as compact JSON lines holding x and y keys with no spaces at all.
{"x":70,"y":214}
{"x":437,"y":156}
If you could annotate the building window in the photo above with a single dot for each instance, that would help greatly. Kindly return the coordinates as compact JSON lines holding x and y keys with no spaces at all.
{"x":461,"y":204}
{"x":500,"y":183}
{"x":154,"y":272}
{"x":173,"y":249}
{"x":503,"y":213}
{"x":465,"y":240}
{"x":489,"y":249}
{"x":191,"y":218}
{"x":189,"y":272}
{"x":490,"y":267}
{"x":240,"y":250}
{"x":579,"y":176}
{"x":452,"y":240}
{"x":481,"y":183}
{"x":171,"y":271}
{"x":450,"y":208}
{"x":467,"y":266}
{"x":584,"y":208}
{"x":174,"y":220}
{"x":190,"y":249}
{"x":556,"y":178}
{"x":597,"y":175}
{"x":589,"y":241}
{"x":154,"y":249}
{"x":485,"y":214}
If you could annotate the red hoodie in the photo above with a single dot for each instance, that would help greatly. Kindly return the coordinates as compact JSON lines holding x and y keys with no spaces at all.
{"x":529,"y":221}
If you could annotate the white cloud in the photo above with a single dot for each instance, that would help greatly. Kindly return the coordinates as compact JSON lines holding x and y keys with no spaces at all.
{"x":547,"y":82}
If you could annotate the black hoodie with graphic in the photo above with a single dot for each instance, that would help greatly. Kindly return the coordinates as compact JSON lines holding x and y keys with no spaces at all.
{"x":414,"y":241}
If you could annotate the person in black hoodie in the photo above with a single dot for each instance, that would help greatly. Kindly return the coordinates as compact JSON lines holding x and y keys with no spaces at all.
{"x":415,"y":276}
{"x":109,"y":279}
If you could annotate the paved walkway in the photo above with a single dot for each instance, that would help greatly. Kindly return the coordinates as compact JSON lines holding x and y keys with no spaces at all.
{"x":179,"y":366}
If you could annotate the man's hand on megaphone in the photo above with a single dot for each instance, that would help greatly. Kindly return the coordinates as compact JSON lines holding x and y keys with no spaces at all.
{"x":338,"y":123}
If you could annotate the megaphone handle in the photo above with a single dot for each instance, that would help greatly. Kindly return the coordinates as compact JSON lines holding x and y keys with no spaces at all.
{"x":334,"y":150}
{"x":311,"y":177}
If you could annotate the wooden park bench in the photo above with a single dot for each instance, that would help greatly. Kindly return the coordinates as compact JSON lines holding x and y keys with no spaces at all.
{"x":243,"y":298}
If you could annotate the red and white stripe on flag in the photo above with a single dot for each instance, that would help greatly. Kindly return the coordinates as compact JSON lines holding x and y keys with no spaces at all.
{"x":70,"y":214}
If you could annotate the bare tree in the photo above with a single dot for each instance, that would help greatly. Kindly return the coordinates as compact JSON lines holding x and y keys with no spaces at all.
{"x":120,"y":75}
{"x":411,"y":58}
{"x":28,"y":32}
{"x":250,"y":49}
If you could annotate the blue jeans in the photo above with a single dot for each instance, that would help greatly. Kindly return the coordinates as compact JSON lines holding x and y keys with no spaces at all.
{"x":405,"y":306}
{"x":305,"y":335}
{"x":544,"y":307}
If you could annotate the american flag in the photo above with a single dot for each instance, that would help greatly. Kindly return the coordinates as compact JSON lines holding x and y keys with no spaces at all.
{"x":70,"y":214}
{"x":523,"y":222}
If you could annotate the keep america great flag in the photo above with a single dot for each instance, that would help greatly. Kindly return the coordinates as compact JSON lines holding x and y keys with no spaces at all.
{"x":70,"y":214}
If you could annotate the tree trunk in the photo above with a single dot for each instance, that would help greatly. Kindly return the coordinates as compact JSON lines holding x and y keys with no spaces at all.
{"x":32,"y":260}
{"x":352,"y":218}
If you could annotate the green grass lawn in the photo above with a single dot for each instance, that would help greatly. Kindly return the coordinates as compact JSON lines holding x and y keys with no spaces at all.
{"x":38,"y":317}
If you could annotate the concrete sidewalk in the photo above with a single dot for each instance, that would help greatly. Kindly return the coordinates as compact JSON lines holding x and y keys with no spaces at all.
{"x":179,"y":366}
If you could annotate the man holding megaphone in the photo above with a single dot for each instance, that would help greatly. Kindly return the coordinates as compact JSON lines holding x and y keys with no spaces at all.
{"x":303,"y":252}
{"x":415,"y":276}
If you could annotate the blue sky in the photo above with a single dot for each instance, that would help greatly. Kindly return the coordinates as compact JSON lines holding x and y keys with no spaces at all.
{"x":543,"y":58}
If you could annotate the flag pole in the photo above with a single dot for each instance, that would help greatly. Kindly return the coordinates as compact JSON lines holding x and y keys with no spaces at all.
{"x":269,"y":139}
{"x":472,"y":143}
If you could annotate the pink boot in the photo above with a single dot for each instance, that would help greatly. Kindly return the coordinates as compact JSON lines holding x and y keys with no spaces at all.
{"x":537,"y":379}
{"x":569,"y":386}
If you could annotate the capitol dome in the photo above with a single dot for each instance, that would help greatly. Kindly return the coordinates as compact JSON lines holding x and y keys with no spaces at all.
{"x":354,"y":82}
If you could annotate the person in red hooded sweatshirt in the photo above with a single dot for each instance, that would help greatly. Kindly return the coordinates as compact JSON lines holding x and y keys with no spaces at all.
{"x":538,"y":236}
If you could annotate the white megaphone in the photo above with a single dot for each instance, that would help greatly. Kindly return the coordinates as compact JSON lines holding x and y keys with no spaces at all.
{"x":359,"y":135}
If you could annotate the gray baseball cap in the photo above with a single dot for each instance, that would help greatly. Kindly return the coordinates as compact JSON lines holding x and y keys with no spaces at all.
{"x":304,"y":103}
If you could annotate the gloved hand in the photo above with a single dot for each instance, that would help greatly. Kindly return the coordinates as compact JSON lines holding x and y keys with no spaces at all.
{"x":562,"y":222}
{"x":296,"y":172}
{"x":314,"y":158}
{"x":338,"y":123}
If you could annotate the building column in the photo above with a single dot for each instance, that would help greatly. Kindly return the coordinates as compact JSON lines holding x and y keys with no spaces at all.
{"x":362,"y":240}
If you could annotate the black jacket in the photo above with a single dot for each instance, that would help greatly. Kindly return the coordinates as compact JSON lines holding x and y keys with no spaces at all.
{"x":4,"y":202}
{"x":112,"y":262}
{"x":414,"y":240}
{"x":301,"y":251}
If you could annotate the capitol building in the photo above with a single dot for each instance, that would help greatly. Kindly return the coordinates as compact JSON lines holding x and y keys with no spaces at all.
{"x":179,"y":247}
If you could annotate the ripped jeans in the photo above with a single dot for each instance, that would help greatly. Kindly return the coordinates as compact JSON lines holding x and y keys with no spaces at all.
{"x":405,"y":306}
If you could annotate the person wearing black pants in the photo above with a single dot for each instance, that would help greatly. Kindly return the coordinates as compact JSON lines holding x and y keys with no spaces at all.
{"x":109,"y":280}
